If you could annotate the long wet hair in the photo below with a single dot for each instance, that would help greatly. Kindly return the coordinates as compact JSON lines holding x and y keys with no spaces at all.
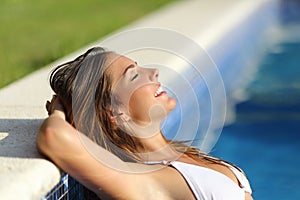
{"x":85,"y":90}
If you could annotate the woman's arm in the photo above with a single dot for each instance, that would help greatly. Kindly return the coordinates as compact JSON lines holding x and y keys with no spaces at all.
{"x":66,"y":147}
{"x":60,"y":142}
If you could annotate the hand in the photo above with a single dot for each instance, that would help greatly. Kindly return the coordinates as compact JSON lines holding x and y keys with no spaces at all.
{"x":55,"y":106}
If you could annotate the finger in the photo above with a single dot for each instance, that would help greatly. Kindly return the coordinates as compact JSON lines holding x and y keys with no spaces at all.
{"x":48,"y":107}
{"x":47,"y":104}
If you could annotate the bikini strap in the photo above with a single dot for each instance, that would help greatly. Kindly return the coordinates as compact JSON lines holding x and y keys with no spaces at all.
{"x":162,"y":162}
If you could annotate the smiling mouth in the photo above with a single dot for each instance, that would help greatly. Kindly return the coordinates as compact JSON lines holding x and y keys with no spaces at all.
{"x":159,"y":92}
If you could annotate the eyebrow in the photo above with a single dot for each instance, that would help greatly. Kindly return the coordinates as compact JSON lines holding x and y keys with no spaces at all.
{"x":128,"y":67}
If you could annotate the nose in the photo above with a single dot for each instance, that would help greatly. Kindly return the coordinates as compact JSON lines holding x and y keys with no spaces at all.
{"x":154,"y":74}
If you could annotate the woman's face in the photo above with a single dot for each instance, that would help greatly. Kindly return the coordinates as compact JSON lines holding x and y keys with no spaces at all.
{"x":139,"y":91}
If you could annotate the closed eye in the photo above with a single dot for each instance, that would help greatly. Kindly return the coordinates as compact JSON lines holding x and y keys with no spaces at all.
{"x":134,"y":77}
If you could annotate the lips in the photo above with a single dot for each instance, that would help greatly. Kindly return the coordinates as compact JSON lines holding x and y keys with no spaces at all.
{"x":159,"y":92}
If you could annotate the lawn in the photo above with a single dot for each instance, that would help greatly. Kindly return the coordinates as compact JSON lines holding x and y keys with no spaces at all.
{"x":34,"y":33}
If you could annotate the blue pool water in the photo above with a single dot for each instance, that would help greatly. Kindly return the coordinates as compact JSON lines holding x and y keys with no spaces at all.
{"x":265,"y":138}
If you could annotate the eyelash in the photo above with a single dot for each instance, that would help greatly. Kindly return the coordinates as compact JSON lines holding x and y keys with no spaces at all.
{"x":134,"y":77}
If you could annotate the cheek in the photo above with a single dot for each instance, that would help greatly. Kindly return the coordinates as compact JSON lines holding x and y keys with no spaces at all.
{"x":140,"y":102}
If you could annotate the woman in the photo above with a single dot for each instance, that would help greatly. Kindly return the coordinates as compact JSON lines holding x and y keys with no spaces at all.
{"x":104,"y":130}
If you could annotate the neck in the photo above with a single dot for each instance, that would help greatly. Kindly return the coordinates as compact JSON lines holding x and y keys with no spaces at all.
{"x":157,"y":148}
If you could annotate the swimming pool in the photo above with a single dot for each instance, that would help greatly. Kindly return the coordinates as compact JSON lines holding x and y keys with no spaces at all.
{"x":264,"y":140}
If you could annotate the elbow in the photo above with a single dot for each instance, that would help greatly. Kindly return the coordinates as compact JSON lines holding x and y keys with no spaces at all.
{"x":45,"y":139}
{"x":54,"y":136}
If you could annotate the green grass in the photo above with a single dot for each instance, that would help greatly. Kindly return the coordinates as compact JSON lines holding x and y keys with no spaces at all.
{"x":34,"y":33}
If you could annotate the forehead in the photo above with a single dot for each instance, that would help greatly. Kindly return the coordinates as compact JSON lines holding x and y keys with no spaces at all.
{"x":117,"y":65}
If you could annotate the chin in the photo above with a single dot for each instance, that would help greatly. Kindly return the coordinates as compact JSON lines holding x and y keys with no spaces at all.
{"x":172,"y":104}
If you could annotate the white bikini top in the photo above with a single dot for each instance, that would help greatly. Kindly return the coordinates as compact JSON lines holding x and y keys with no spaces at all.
{"x":208,"y":184}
